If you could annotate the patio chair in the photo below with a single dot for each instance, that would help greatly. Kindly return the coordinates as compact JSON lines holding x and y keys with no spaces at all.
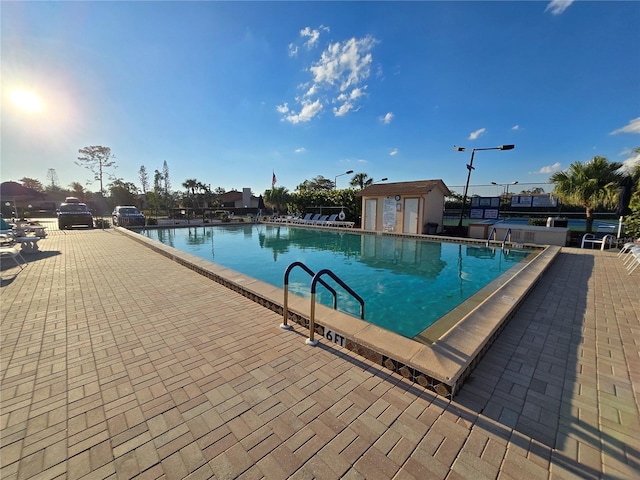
{"x":628,"y":246}
{"x":305,"y":219}
{"x":592,"y":239}
{"x":13,"y":252}
{"x":312,"y":220}
{"x":633,"y":261}
{"x":331,"y":220}
{"x":7,"y":239}
{"x":292,"y":219}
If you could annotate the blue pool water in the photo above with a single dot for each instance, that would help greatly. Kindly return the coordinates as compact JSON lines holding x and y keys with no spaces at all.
{"x":407,"y":283}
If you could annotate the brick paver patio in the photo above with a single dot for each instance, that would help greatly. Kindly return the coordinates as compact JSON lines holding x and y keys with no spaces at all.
{"x":118,"y":363}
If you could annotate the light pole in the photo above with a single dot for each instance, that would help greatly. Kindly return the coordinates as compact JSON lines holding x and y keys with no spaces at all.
{"x":515,"y":182}
{"x":379,"y":181}
{"x":335,"y":180}
{"x":470,"y":167}
{"x":506,"y":185}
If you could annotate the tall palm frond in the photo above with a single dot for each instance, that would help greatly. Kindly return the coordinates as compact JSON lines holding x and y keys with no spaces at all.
{"x":590,"y":184}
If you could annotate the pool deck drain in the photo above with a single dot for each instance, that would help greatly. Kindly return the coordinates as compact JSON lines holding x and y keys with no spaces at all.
{"x":440,"y":364}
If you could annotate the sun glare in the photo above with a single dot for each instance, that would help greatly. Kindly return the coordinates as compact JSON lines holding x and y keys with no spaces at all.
{"x":26,"y":100}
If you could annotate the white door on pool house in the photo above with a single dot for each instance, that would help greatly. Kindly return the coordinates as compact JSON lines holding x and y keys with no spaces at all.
{"x":370,"y":207}
{"x":410,"y":215}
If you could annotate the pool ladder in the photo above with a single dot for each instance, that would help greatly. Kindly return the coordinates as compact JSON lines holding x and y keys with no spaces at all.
{"x":493,"y":234}
{"x":317,"y":278}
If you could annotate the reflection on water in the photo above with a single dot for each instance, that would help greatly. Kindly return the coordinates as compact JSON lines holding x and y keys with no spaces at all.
{"x":402,"y":255}
{"x":407,"y":283}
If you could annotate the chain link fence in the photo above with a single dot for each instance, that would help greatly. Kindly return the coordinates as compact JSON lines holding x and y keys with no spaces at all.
{"x":502,"y":189}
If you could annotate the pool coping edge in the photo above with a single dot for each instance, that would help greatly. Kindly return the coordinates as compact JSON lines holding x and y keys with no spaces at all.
{"x":440,"y":367}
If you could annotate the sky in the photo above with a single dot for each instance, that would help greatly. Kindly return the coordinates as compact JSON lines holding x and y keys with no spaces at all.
{"x":232,"y":93}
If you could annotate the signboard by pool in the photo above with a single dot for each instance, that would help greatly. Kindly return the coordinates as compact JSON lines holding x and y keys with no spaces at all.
{"x":484,"y":208}
{"x":538,"y":201}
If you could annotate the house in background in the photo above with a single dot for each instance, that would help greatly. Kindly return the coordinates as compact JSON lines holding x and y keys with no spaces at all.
{"x":236,"y":199}
{"x":233,"y":202}
{"x":404,"y":207}
{"x":16,"y":199}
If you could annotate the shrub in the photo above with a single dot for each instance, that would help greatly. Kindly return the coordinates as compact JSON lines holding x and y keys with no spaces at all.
{"x":538,"y":222}
{"x":632,"y":221}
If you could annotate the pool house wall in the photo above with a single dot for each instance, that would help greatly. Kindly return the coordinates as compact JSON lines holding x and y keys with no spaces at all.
{"x":404,"y":207}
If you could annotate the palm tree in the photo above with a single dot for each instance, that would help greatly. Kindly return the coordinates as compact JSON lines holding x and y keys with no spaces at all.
{"x":190,"y":185}
{"x":277,"y":197}
{"x":77,"y":189}
{"x":361,"y":180}
{"x":590,"y":184}
{"x":632,"y":220}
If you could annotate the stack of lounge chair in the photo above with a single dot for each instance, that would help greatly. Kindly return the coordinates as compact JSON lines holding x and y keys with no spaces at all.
{"x":317,"y":219}
{"x":632,"y":251}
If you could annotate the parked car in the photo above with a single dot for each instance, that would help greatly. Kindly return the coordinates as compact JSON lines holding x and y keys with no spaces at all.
{"x":128,"y":216}
{"x":74,"y":213}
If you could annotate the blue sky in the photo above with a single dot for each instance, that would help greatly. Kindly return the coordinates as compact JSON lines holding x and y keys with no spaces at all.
{"x":229,"y":92}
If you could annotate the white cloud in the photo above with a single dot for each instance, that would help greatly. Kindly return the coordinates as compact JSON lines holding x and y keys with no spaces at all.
{"x":353,"y":95}
{"x":515,"y":127}
{"x":293,"y":50}
{"x":387,"y":118}
{"x":393,"y":152}
{"x":630,"y":163}
{"x":337,"y":77}
{"x":345,"y":108}
{"x":558,"y":6}
{"x":312,"y":91}
{"x":632,"y":127}
{"x":357,"y":93}
{"x":284,"y":108}
{"x":346,"y":63}
{"x":307,"y":112}
{"x":312,"y":35}
{"x":300,"y":150}
{"x":478,"y":133}
{"x":550,"y":168}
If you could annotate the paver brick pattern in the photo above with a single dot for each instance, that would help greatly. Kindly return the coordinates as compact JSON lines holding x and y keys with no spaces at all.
{"x":118,"y":363}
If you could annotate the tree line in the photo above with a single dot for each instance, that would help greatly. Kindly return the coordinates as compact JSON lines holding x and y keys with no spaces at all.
{"x":590,"y":185}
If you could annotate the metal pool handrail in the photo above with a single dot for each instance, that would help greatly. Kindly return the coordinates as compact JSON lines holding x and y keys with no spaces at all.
{"x":316,"y":279}
{"x":494,"y":232}
{"x":285,"y":307}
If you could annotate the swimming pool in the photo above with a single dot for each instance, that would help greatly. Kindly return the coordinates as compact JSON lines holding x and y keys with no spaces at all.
{"x":407,"y":283}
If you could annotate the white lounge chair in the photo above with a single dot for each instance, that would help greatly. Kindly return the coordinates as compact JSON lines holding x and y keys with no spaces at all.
{"x":7,"y":239}
{"x":628,"y":246}
{"x":12,"y":252}
{"x":633,"y":260}
{"x":305,"y":219}
{"x":292,"y":218}
{"x":343,"y":223}
{"x":312,"y":220}
{"x":331,"y":220}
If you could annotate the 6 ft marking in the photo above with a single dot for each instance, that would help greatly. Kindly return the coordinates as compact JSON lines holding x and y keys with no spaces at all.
{"x":334,"y":337}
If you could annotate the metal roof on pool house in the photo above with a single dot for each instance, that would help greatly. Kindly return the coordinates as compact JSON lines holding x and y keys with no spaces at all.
{"x":404,"y":207}
{"x":417,"y":187}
